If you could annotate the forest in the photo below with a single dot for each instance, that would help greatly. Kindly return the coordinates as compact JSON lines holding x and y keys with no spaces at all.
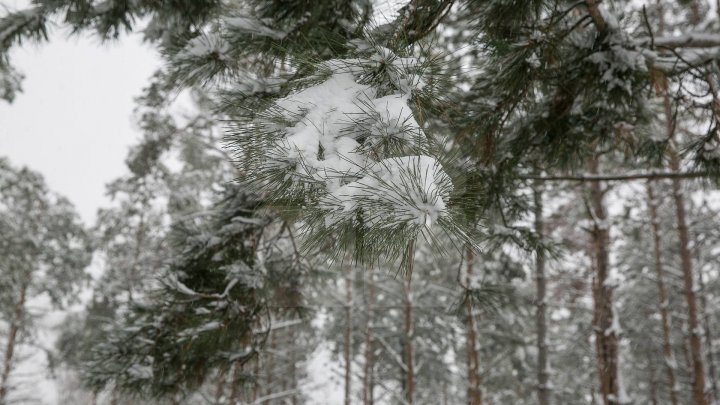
{"x":482,"y":202}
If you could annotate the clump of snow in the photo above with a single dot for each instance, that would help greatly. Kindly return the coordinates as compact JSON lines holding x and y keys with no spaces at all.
{"x":391,"y":117}
{"x":252,"y":84}
{"x":330,"y":118}
{"x":251,"y":25}
{"x":355,"y":144}
{"x":140,"y":372}
{"x":411,"y":189}
{"x":203,"y":46}
{"x":533,"y":61}
{"x":324,"y":113}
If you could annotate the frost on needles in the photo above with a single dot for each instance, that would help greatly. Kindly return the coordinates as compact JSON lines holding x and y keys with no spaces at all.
{"x":346,"y":153}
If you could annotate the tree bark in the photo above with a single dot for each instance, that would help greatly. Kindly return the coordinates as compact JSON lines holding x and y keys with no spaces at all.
{"x":409,"y":386}
{"x":687,"y":269}
{"x":653,"y":384}
{"x":15,"y":326}
{"x":543,"y":389}
{"x":710,"y":79}
{"x":348,"y":334}
{"x":235,"y":388}
{"x":256,"y":383}
{"x":662,"y":292}
{"x":684,"y":248}
{"x":293,"y":367}
{"x":708,"y":337}
{"x":474,"y":393}
{"x":606,"y":339}
{"x":368,"y":372}
{"x":269,"y":376}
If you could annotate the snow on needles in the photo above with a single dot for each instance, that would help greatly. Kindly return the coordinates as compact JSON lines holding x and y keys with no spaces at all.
{"x":326,"y":111}
{"x":363,"y":150}
{"x":395,"y":191}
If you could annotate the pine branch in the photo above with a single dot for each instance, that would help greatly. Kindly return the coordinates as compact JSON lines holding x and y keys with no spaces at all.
{"x":596,"y":15}
{"x":692,"y":40}
{"x":619,"y":177}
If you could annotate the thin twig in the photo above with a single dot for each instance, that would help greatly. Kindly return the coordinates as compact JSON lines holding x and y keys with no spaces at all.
{"x":619,"y":177}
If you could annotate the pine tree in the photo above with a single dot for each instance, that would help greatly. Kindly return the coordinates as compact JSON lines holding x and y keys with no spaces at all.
{"x":44,"y":250}
{"x":381,"y":142}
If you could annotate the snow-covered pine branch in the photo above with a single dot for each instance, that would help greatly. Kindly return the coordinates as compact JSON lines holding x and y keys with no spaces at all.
{"x":347,"y":153}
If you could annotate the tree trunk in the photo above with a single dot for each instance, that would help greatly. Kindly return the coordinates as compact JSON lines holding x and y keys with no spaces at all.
{"x":256,"y":372}
{"x":543,"y":389}
{"x":690,"y":296}
{"x":293,"y":367}
{"x":269,"y":376}
{"x":686,"y":267}
{"x":348,"y":334}
{"x":474,"y":392}
{"x":708,"y":337}
{"x":606,"y":339}
{"x":662,"y":293}
{"x":235,"y":390}
{"x":408,"y":328}
{"x":684,"y":240}
{"x":15,"y":326}
{"x":368,"y":377}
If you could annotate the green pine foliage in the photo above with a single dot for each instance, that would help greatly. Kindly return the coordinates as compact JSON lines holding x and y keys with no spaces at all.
{"x":333,"y":138}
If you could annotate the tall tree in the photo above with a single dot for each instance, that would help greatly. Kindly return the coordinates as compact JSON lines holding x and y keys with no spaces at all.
{"x":604,"y":318}
{"x":662,"y":292}
{"x":543,"y":377}
{"x":44,"y":250}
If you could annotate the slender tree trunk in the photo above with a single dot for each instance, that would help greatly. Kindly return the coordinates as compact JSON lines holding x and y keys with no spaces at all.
{"x":684,"y":239}
{"x":686,"y":267}
{"x":408,"y":328}
{"x":543,"y":388}
{"x":293,"y":367}
{"x":368,"y":379}
{"x":606,"y":339}
{"x":256,"y":372}
{"x":474,"y":392}
{"x":348,"y":334}
{"x":236,"y":387}
{"x":270,"y":372}
{"x":662,"y":292}
{"x":15,"y":326}
{"x":686,"y":348}
{"x":690,"y":295}
{"x":285,"y":362}
{"x":708,"y":337}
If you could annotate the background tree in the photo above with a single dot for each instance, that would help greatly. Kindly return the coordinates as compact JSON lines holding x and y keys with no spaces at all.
{"x":43,"y":254}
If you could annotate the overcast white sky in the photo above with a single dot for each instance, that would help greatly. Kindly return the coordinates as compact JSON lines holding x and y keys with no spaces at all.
{"x":73,"y":121}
